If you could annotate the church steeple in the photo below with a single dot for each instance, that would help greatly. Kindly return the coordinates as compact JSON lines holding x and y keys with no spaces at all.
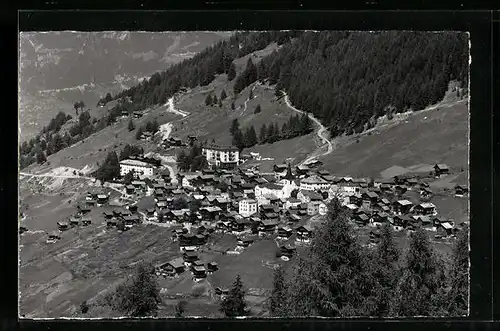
{"x":289,"y":175}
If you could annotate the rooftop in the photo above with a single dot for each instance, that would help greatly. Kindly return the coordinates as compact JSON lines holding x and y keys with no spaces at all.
{"x":135,"y":163}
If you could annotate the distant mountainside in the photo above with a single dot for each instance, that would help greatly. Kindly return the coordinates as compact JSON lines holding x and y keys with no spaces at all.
{"x":71,"y":66}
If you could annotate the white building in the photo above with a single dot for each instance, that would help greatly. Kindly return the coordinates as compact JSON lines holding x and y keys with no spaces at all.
{"x":270,"y":189}
{"x":247,"y":207}
{"x":220,"y":156}
{"x":314,"y":183}
{"x":141,"y":169}
{"x":346,"y":186}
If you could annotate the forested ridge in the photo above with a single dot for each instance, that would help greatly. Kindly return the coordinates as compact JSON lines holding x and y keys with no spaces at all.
{"x":346,"y":79}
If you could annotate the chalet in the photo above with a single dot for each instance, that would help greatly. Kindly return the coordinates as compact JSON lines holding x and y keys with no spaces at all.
{"x":244,"y":243}
{"x":74,"y":221}
{"x":90,"y":196}
{"x":86,"y":220}
{"x":400,"y":189}
{"x":425,"y":208}
{"x":188,"y":242}
{"x":308,"y":196}
{"x":241,"y":225}
{"x":111,"y":223}
{"x":53,"y":237}
{"x":83,"y":209}
{"x":280,"y":167}
{"x":150,"y":214}
{"x":314,"y":183}
{"x":425,"y":222}
{"x":412,"y":182}
{"x":102,"y":199}
{"x":294,"y":218}
{"x":137,"y":114}
{"x":91,"y":203}
{"x":173,"y":268}
{"x":441,"y":169}
{"x":379,"y":219}
{"x":314,"y":163}
{"x":304,"y":234}
{"x":287,"y":250}
{"x":212,"y":267}
{"x":131,"y":219}
{"x":401,"y":222}
{"x":426,"y":193}
{"x":284,"y":232}
{"x":292,"y":202}
{"x":302,"y":170}
{"x":267,"y":226}
{"x":461,"y":190}
{"x":211,"y":213}
{"x":344,"y":186}
{"x":130,"y":189}
{"x":369,"y":199}
{"x":355,"y":199}
{"x":362,"y":219}
{"x":199,"y":273}
{"x":189,"y":257}
{"x":62,"y":226}
{"x":445,"y":229}
{"x":317,"y":207}
{"x":139,"y":184}
{"x":402,"y":207}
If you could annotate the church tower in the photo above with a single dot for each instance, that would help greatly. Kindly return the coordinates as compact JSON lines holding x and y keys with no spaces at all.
{"x":288,"y":182}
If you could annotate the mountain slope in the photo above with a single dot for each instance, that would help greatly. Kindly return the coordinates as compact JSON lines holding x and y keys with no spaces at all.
{"x":57,"y":69}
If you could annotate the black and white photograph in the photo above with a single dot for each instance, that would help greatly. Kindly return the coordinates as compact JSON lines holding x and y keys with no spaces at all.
{"x":249,"y":174}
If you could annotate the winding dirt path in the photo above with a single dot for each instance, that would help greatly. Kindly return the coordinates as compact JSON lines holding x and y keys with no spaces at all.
{"x":322,"y":133}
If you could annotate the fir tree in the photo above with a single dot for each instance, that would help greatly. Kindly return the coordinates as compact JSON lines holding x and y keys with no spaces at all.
{"x":250,"y":137}
{"x":231,"y":72}
{"x":263,"y":134}
{"x":250,"y":94}
{"x":223,"y":95}
{"x":233,"y":107}
{"x":128,"y":178}
{"x":234,"y":304}
{"x":131,"y":126}
{"x":139,"y":133}
{"x":220,"y":103}
{"x":40,"y":157}
{"x":420,"y":289}
{"x":208,"y":100}
{"x":140,"y":295}
{"x":278,"y":293}
{"x":257,"y":109}
{"x":235,"y":126}
{"x":459,"y":276}
{"x":214,"y":100}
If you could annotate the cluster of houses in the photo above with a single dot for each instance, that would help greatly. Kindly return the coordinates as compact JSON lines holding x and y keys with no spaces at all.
{"x":188,"y":262}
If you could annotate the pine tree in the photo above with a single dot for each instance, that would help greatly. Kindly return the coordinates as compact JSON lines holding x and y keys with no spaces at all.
{"x":238,"y":139}
{"x":250,"y":136}
{"x":139,"y":132}
{"x":257,"y":109}
{"x":131,"y":126}
{"x":208,"y":100}
{"x":250,"y":94}
{"x":234,"y":304}
{"x":223,"y":95}
{"x":233,"y":107}
{"x":220,"y":103}
{"x":263,"y":134}
{"x":40,"y":157}
{"x":214,"y":100}
{"x":459,"y":276}
{"x":420,"y":289}
{"x":250,"y":72}
{"x":278,"y":293}
{"x":128,"y":178}
{"x":332,"y":277}
{"x":231,"y":74}
{"x":140,"y":295}
{"x":235,"y":125}
{"x":386,"y":269}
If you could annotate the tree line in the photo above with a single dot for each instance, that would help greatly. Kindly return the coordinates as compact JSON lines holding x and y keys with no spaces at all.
{"x":50,"y":140}
{"x":338,"y":277}
{"x":192,"y":160}
{"x":297,"y":125}
{"x":201,"y":68}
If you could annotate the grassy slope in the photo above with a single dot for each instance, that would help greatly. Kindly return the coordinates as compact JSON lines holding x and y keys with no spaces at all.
{"x":426,"y":138}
